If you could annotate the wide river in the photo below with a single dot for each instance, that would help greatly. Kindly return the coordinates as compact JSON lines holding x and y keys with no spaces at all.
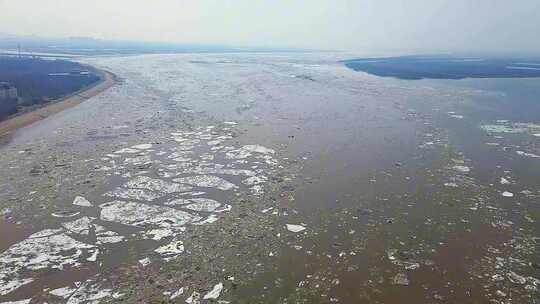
{"x":275,"y":178}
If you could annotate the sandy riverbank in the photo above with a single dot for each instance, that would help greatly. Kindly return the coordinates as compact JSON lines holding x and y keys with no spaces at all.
{"x":12,"y":124}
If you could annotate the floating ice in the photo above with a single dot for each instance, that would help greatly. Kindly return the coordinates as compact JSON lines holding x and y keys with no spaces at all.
{"x":9,"y":285}
{"x":501,"y":129}
{"x":507,"y":194}
{"x":522,"y":153}
{"x":215,"y":292}
{"x":400,"y":279}
{"x":89,"y":292}
{"x":177,"y":293}
{"x":139,"y":160}
{"x":209,"y":220}
{"x":157,"y":185}
{"x":516,"y":278}
{"x":195,"y":298}
{"x":203,"y":204}
{"x":127,"y":150}
{"x":81,"y":201}
{"x":145,"y":262}
{"x":220,"y":171}
{"x":138,"y":194}
{"x":177,"y":202}
{"x":141,"y":215}
{"x":65,"y":213}
{"x":207,"y":181}
{"x":43,"y":250}
{"x":80,"y":226}
{"x":254,"y":180}
{"x":258,"y":149}
{"x":64,"y":292}
{"x":462,"y":169}
{"x":295,"y":228}
{"x":94,"y":256}
{"x":18,"y":302}
{"x":52,"y":251}
{"x":171,"y":250}
{"x":142,"y":146}
{"x":504,"y":181}
{"x":158,"y":234}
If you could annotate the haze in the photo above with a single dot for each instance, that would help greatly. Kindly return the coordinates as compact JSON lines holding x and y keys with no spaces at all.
{"x":368,"y":25}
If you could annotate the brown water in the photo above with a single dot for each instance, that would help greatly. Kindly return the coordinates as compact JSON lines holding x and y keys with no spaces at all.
{"x":368,"y":165}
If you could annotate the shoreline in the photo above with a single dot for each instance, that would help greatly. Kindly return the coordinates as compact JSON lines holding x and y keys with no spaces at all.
{"x":17,"y":122}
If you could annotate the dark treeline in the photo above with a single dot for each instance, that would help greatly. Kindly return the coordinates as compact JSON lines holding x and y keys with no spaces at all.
{"x":39,"y":81}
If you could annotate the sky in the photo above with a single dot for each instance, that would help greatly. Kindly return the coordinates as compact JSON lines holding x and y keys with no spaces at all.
{"x":355,"y":25}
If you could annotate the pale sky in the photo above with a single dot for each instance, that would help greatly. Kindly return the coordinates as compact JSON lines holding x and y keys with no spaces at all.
{"x":356,"y":25}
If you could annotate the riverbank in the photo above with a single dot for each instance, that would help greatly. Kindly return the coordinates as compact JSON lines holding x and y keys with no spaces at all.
{"x":19,"y":121}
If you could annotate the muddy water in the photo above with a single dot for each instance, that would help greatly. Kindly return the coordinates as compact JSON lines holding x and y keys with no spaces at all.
{"x":396,"y":183}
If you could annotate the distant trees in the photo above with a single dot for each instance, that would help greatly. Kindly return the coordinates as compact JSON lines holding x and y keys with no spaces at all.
{"x":40,"y":80}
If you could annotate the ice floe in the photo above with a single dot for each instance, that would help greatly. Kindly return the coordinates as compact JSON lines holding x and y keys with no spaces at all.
{"x":214,"y":293}
{"x":507,"y":194}
{"x":137,"y":194}
{"x":522,"y":153}
{"x":157,"y":185}
{"x":81,"y":201}
{"x":171,"y":250}
{"x":142,"y":147}
{"x":462,"y":169}
{"x":46,"y":250}
{"x":206,"y":181}
{"x":295,"y":228}
{"x":79,"y":226}
{"x":142,"y":215}
{"x":203,"y":204}
{"x":177,"y":293}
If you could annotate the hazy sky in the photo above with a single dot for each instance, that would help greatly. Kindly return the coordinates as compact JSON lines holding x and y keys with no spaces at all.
{"x":360,"y":25}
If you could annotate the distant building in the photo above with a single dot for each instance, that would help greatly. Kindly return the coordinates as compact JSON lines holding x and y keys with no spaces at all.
{"x":8,"y":92}
{"x":9,"y":99}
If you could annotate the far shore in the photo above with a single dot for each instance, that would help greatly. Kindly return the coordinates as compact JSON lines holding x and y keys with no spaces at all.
{"x":16,"y":122}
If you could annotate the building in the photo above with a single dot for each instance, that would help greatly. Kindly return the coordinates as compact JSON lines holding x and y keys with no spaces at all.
{"x":8,"y":92}
{"x":9,"y":99}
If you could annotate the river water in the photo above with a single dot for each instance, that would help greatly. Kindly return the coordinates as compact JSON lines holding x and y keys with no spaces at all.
{"x":275,"y":178}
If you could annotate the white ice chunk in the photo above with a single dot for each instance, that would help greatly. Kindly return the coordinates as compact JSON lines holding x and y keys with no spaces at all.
{"x":177,"y":293}
{"x":195,"y":298}
{"x":64,"y":292}
{"x":215,"y":292}
{"x":80,"y":226}
{"x":145,"y":262}
{"x":522,"y":153}
{"x":136,"y":214}
{"x":7,"y":286}
{"x":172,"y":249}
{"x":462,"y":169}
{"x":142,"y":146}
{"x":138,"y":194}
{"x":158,"y":234}
{"x":295,"y":228}
{"x":18,"y":302}
{"x":208,"y":181}
{"x":126,"y":150}
{"x":507,"y":194}
{"x":81,"y":201}
{"x":258,"y":149}
{"x":89,"y":292}
{"x":157,"y":185}
{"x":203,"y":204}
